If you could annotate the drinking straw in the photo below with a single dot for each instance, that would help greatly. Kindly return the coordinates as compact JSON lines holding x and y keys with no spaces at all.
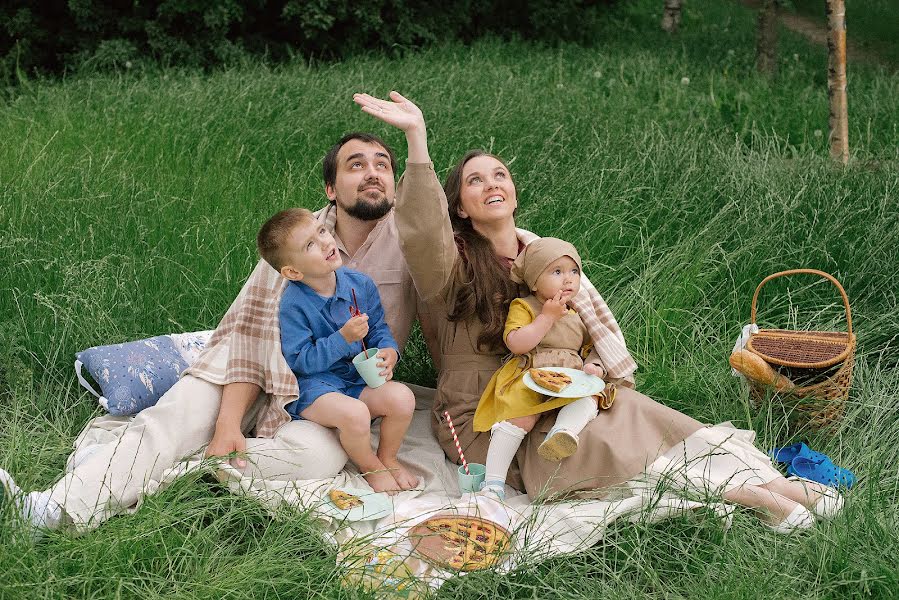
{"x":356,"y":312}
{"x":456,"y":440}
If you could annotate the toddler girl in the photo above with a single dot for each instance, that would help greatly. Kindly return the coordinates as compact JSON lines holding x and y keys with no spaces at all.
{"x":540,"y":331}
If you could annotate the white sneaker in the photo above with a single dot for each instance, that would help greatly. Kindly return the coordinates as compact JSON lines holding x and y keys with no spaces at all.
{"x":799,"y":518}
{"x":829,"y":504}
{"x":37,"y":509}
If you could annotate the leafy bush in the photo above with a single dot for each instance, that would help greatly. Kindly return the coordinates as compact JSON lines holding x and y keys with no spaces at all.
{"x":57,"y":36}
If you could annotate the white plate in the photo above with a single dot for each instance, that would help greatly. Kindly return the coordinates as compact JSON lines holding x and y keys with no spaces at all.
{"x":582,"y":384}
{"x":375,"y":505}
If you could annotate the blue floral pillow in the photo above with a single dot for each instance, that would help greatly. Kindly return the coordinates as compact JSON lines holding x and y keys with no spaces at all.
{"x":132,"y":376}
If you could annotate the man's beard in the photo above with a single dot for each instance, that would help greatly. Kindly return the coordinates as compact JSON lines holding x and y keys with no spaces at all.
{"x":365,"y":210}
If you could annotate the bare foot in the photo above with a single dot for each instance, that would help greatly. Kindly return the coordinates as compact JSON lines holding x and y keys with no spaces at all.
{"x":382,"y":481}
{"x":404,"y":478}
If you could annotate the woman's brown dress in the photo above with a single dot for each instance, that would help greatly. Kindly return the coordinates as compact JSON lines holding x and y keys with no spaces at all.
{"x":620,"y":443}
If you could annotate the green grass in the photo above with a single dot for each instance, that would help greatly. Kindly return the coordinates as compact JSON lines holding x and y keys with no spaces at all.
{"x":129,"y":205}
{"x":873,"y":24}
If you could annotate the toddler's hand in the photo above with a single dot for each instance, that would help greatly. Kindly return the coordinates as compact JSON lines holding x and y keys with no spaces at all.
{"x":355,"y":329}
{"x":554,"y":308}
{"x":594,"y":369}
{"x":389,"y":358}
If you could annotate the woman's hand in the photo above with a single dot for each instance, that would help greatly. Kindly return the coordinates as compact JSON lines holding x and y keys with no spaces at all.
{"x":401,"y":112}
{"x":389,"y":358}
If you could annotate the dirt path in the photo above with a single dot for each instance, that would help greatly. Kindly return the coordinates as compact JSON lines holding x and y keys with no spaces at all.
{"x":816,"y":32}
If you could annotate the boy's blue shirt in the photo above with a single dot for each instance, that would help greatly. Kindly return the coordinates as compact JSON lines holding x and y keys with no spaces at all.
{"x":310,"y":328}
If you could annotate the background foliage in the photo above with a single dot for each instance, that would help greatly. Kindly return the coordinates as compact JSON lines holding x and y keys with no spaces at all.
{"x":64,"y":35}
{"x":872,"y":24}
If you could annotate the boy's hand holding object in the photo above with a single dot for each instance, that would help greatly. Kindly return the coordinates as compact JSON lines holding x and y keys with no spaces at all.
{"x":355,"y":329}
{"x":388,"y":361}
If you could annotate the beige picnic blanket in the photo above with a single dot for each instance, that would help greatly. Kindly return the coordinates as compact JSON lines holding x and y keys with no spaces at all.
{"x":540,"y":529}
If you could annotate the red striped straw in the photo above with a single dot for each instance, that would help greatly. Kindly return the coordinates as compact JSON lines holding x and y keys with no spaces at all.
{"x":456,"y":440}
{"x":356,"y":312}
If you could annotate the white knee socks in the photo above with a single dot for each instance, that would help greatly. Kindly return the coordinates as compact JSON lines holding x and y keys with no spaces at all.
{"x":575,"y":416}
{"x":505,"y":439}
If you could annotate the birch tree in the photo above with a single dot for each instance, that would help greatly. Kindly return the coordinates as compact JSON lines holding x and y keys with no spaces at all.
{"x":671,"y":15}
{"x":836,"y":80}
{"x":766,"y":37}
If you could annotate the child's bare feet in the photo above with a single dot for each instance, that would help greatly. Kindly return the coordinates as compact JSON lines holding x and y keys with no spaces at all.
{"x":404,"y":478}
{"x":382,"y":481}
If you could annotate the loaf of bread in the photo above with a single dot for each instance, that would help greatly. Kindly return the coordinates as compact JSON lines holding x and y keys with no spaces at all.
{"x":755,"y":368}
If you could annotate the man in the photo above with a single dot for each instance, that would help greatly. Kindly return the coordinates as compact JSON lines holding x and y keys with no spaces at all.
{"x":241,"y":378}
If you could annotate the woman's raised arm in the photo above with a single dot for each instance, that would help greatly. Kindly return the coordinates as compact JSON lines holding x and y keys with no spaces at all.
{"x":422,"y":218}
{"x":402,"y":114}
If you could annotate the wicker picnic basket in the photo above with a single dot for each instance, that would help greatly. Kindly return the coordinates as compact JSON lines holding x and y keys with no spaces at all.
{"x":823,"y":358}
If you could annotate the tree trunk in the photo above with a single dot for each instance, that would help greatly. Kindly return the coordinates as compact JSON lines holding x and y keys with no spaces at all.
{"x":766,"y":38}
{"x":836,"y":80}
{"x":671,"y":16}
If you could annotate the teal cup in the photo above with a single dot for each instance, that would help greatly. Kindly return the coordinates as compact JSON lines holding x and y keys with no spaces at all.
{"x":366,"y":363}
{"x":471,"y":482}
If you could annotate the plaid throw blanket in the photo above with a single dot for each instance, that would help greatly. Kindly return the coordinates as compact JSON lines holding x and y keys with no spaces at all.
{"x":246,"y":345}
{"x":608,"y":341}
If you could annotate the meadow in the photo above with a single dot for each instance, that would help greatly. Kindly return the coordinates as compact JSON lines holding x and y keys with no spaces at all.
{"x":129,"y":204}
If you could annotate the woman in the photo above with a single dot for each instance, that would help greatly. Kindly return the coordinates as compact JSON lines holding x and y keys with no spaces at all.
{"x":459,"y":243}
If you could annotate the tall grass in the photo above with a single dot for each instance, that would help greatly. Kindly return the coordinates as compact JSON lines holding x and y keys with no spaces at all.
{"x":129,"y":206}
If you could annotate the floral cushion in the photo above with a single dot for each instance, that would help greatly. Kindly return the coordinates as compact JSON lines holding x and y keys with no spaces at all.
{"x":134,"y":375}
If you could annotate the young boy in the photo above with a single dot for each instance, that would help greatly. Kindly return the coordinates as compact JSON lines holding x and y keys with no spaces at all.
{"x":319,"y":338}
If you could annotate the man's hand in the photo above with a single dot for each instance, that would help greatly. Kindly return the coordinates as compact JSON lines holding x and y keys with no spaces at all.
{"x":224,"y":442}
{"x":388,"y":360}
{"x":554,"y":308}
{"x":401,"y":112}
{"x":355,"y":329}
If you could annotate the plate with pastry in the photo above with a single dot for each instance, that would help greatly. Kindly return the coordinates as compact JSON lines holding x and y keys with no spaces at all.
{"x":356,"y":504}
{"x":562,"y":382}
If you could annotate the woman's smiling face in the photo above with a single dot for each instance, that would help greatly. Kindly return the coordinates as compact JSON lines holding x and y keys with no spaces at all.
{"x":487,"y":193}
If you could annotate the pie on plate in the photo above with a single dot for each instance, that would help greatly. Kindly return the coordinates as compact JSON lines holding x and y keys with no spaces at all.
{"x":460,"y":542}
{"x":344,"y":500}
{"x":551,"y":380}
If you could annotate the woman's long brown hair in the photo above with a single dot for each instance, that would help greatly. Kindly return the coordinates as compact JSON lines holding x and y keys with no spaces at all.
{"x":483,"y":286}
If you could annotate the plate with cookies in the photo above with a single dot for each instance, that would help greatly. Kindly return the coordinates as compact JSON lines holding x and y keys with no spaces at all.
{"x":562,"y":382}
{"x":356,"y":504}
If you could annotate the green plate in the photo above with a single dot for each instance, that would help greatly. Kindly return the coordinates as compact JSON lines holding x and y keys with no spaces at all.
{"x":375,"y":505}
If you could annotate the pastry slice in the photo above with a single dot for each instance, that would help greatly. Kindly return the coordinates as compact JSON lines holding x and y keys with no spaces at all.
{"x":551,"y":380}
{"x":345,"y":501}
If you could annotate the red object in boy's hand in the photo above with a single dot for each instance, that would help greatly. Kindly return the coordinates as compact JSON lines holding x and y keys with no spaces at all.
{"x":355,"y":312}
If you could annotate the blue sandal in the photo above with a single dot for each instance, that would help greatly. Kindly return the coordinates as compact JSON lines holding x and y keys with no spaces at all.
{"x":788,"y":453}
{"x":822,"y":471}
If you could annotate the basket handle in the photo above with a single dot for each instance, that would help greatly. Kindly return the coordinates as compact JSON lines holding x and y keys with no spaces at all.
{"x":827,"y":276}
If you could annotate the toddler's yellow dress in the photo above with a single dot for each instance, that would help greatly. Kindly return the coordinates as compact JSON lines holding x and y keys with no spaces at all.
{"x":564,"y":345}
